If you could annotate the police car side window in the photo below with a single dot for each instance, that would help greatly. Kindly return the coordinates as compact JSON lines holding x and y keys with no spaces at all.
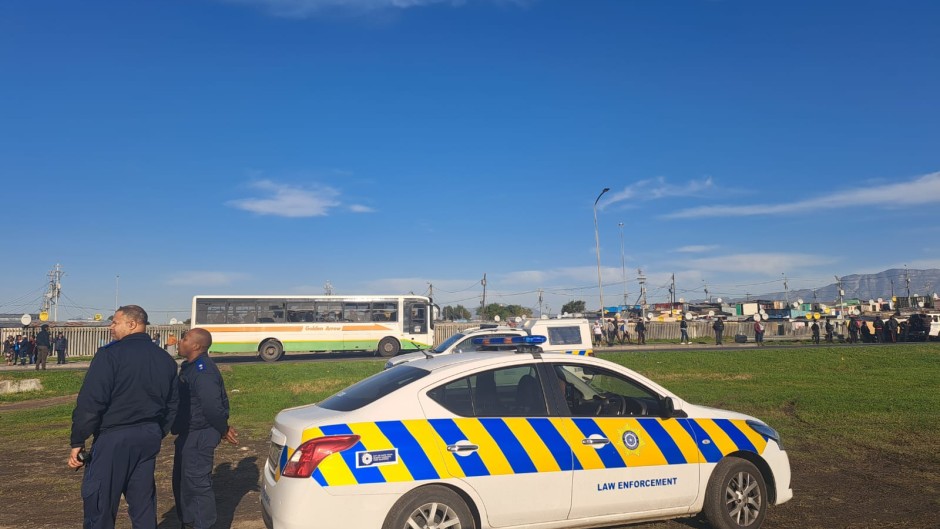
{"x":508,"y":392}
{"x":594,"y":392}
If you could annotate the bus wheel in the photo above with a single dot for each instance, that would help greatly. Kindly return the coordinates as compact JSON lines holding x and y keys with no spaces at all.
{"x":271,"y":350}
{"x":389,"y":347}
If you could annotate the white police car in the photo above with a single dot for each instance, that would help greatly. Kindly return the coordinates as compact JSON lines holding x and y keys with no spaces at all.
{"x":482,"y":440}
{"x":563,"y":335}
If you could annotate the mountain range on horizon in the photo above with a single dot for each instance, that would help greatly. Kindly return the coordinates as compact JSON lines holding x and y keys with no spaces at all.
{"x":864,"y":287}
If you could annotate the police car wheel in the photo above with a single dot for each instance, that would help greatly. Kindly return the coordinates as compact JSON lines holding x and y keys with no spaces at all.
{"x":430,"y":507}
{"x":736,"y":496}
{"x":271,"y":350}
{"x":389,"y":347}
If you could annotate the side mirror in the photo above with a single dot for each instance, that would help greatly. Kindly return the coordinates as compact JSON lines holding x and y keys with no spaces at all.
{"x":668,"y":407}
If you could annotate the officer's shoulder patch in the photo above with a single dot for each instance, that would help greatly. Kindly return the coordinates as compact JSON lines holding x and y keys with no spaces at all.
{"x":200,"y":365}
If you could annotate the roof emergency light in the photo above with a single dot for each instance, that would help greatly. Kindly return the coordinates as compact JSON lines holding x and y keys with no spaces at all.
{"x":510,"y":340}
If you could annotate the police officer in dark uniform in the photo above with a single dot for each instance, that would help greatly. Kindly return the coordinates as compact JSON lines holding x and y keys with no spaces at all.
{"x":128,"y":402}
{"x":201,"y":423}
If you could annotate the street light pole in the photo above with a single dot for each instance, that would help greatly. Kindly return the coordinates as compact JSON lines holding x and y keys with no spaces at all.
{"x":623,"y":269}
{"x":597,"y":246}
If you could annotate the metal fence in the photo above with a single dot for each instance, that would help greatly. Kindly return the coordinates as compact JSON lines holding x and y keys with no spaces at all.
{"x":655,"y":330}
{"x":85,"y":341}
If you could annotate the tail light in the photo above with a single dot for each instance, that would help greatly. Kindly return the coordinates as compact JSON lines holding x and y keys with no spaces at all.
{"x":308,"y":455}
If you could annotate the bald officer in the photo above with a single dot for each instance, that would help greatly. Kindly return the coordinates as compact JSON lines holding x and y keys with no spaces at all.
{"x":201,"y":423}
{"x":128,"y":402}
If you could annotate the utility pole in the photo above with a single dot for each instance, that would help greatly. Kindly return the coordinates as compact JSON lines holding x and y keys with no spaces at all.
{"x":841,"y":294}
{"x":431,"y":291}
{"x":786,"y":288}
{"x":117,"y":285}
{"x":707,"y":299}
{"x":540,"y":303}
{"x":483,"y":304}
{"x":672,"y":292}
{"x":907,"y":277}
{"x":51,"y":299}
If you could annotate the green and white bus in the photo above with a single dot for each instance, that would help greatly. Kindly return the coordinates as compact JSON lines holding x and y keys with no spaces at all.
{"x":273,"y":325}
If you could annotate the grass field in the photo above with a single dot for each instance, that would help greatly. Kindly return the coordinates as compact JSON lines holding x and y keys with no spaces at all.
{"x":883,"y":398}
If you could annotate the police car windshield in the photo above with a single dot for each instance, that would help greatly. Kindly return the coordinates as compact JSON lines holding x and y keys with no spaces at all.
{"x":373,"y":388}
{"x":447,"y":343}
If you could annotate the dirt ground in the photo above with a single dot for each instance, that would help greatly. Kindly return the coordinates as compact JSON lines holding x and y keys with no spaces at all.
{"x":38,"y":490}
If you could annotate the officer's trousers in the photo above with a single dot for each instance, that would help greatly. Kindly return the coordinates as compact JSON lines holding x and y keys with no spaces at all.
{"x":122,"y":462}
{"x":42,"y":353}
{"x":192,"y":477}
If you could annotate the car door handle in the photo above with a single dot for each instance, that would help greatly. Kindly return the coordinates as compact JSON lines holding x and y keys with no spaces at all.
{"x":462,"y":448}
{"x":595,"y":441}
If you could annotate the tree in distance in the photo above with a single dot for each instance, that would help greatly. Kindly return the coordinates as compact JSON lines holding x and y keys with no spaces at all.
{"x":505,"y":311}
{"x":456,"y":313}
{"x":573,"y":307}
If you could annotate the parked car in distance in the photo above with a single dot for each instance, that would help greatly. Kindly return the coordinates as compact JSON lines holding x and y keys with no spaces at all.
{"x":564,"y":335}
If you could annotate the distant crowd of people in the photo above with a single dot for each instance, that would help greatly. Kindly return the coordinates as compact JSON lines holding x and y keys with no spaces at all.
{"x":614,"y":331}
{"x":23,"y":349}
{"x":35,"y":350}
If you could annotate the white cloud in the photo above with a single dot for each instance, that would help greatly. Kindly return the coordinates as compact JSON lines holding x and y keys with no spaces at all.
{"x":304,"y":8}
{"x":205,"y":278}
{"x":770,"y":264}
{"x":289,"y":201}
{"x":919,"y":191}
{"x":657,"y":188}
{"x":697,"y":248}
{"x":359,"y":208}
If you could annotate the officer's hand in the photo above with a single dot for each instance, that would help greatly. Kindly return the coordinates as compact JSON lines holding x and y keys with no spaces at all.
{"x":231,"y":436}
{"x":73,"y":459}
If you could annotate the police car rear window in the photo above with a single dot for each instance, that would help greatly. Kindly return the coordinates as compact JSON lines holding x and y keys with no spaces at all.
{"x":373,"y":388}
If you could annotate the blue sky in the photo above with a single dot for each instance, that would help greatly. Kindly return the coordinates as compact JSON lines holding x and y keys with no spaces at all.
{"x":270,"y":146}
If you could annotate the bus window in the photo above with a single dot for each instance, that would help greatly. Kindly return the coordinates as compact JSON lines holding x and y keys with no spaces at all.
{"x":356,"y":311}
{"x":329,"y":311}
{"x":210,"y":311}
{"x":385,"y":311}
{"x":270,"y":312}
{"x":300,"y":311}
{"x":242,"y":311}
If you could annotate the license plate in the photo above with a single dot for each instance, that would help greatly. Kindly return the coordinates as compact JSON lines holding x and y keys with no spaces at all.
{"x":274,"y":457}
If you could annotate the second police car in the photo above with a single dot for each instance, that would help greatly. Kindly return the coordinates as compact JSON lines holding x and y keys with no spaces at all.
{"x":480,"y":440}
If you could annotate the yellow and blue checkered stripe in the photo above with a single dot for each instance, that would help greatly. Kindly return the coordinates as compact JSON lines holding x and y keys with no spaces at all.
{"x":581,"y":352}
{"x":524,"y":445}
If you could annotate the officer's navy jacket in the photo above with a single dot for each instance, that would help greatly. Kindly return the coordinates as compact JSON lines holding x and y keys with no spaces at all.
{"x":130,"y":381}
{"x":203,"y":402}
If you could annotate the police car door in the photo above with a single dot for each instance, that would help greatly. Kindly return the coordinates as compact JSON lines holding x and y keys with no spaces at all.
{"x":628,"y":459}
{"x":496,"y":437}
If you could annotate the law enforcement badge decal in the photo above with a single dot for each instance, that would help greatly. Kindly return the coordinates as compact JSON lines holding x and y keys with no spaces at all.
{"x":374,"y":458}
{"x":631,"y":440}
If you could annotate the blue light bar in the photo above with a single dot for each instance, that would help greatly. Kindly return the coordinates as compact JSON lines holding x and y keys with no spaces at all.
{"x":510,"y":340}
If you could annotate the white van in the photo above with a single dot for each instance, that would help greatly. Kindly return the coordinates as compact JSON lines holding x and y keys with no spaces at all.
{"x":565,"y":336}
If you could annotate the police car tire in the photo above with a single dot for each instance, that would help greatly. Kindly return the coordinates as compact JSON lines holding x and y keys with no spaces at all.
{"x":271,"y":350}
{"x":736,"y":496}
{"x":445,"y":503}
{"x":389,"y":347}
